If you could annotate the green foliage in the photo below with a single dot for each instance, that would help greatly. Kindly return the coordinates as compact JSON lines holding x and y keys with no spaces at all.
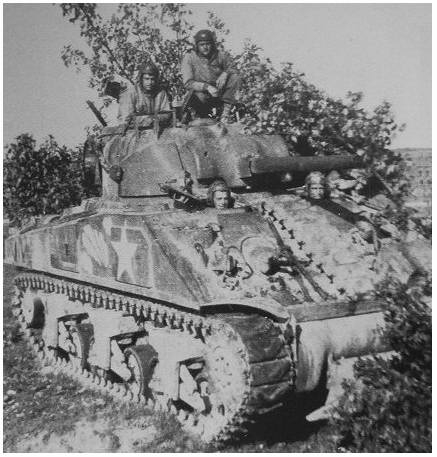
{"x":39,"y":180}
{"x":391,"y":412}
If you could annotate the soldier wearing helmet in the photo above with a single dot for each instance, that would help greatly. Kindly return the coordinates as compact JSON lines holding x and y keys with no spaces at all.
{"x":315,"y":184}
{"x":145,"y":100}
{"x":219,"y":195}
{"x":142,"y":107}
{"x":209,"y":73}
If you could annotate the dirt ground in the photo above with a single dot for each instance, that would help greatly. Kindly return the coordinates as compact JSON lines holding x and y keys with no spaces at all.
{"x":48,"y":412}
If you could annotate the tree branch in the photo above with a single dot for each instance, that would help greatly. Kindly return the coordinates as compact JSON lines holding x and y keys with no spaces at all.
{"x":105,"y":44}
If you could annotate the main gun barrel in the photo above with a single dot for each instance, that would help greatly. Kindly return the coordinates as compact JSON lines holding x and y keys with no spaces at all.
{"x":271,"y":165}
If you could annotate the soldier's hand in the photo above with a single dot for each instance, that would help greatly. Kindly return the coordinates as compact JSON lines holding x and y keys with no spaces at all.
{"x":213,"y":91}
{"x":221,"y":80}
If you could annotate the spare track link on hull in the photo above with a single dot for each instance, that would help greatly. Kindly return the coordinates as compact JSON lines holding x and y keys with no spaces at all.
{"x":259,"y":363}
{"x":326,"y":282}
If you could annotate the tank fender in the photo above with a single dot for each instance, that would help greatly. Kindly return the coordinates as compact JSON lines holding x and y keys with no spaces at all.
{"x":265,"y":305}
{"x":339,"y":371}
{"x":320,"y":342}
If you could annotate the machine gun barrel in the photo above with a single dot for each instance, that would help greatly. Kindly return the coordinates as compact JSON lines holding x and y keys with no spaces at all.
{"x":287,"y":258}
{"x":182,"y":195}
{"x":267,"y":165}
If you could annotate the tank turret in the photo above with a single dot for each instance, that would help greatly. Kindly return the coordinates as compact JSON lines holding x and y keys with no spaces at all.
{"x":209,"y":152}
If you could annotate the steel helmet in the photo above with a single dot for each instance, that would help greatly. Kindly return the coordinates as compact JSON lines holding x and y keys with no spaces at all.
{"x":204,"y":35}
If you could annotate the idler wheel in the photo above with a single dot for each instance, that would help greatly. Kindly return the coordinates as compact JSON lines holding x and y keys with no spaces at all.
{"x":81,"y":336}
{"x":141,"y":361}
{"x":33,"y":310}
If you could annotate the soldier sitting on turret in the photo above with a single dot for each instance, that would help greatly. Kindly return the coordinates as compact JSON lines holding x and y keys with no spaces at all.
{"x":209,"y":74}
{"x":143,"y":106}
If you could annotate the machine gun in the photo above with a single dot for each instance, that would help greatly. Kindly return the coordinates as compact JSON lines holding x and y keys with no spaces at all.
{"x":289,"y":262}
{"x":183,"y":197}
{"x":296,"y":267}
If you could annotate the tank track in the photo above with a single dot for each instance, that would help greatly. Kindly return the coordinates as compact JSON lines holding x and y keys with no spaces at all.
{"x":265,"y":359}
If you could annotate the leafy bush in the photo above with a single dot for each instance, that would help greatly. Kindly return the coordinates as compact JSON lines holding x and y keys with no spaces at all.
{"x":391,"y":411}
{"x":39,"y":180}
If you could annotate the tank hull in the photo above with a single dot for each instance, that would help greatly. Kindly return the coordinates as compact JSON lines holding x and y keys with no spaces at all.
{"x":116,"y":274}
{"x":219,"y":316}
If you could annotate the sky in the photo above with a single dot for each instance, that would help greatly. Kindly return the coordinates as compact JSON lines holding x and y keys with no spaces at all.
{"x":383,"y":50}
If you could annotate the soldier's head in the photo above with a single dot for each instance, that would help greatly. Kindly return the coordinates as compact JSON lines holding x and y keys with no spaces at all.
{"x":219,"y":195}
{"x":205,"y":43}
{"x":148,"y":76}
{"x":315,"y":184}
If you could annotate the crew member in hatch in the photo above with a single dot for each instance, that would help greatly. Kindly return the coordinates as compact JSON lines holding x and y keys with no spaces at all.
{"x":315,"y":184}
{"x":142,"y":101}
{"x":219,"y":195}
{"x":144,"y":109}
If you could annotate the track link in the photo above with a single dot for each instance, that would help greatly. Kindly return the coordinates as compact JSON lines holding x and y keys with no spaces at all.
{"x":317,"y":269}
{"x":260,"y":364}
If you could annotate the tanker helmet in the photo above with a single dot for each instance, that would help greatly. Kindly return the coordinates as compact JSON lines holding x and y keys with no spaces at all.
{"x":148,"y":68}
{"x":204,"y":35}
{"x":217,"y":186}
{"x":315,"y":177}
{"x":315,"y":184}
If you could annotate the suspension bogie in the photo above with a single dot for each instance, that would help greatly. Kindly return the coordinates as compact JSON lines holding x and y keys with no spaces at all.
{"x":197,"y":368}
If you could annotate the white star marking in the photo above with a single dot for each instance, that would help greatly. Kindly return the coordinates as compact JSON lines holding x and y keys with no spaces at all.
{"x":125,"y":252}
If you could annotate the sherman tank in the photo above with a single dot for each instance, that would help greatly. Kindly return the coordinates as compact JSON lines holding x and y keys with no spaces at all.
{"x":219,"y":316}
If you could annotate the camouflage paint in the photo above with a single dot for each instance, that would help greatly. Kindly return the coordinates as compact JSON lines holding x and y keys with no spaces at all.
{"x":153,"y":251}
{"x":166,"y":254}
